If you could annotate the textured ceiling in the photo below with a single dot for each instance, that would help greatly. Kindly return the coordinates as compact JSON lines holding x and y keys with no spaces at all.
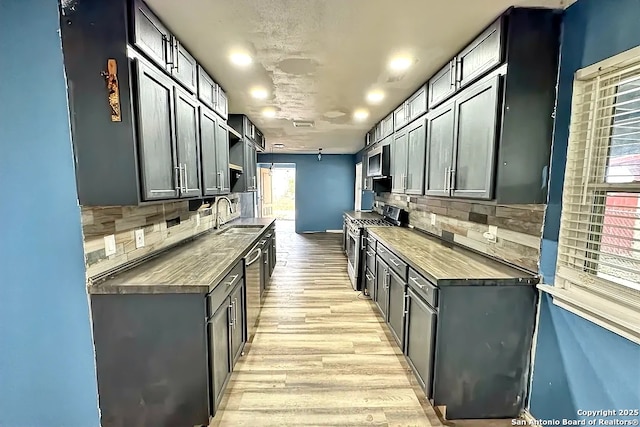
{"x":318,"y":58}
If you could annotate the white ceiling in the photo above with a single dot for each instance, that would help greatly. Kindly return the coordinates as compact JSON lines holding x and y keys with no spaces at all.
{"x":318,"y":58}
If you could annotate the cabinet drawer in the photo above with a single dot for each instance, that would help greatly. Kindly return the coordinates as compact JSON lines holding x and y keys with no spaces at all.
{"x":442,"y":85}
{"x":484,"y":53}
{"x":423,"y":287}
{"x":393,"y":261}
{"x":371,"y":242}
{"x":224,"y":288}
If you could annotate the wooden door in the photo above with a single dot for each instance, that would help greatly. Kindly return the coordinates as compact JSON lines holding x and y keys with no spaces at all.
{"x":266,"y":194}
{"x":475,"y":146}
{"x":420,"y":329}
{"x":187,"y":142}
{"x":156,"y":143}
{"x":440,"y":138}
{"x":416,"y":148}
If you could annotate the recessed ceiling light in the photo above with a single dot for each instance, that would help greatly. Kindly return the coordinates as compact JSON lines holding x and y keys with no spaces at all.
{"x":259,"y":93}
{"x":269,"y":113}
{"x":278,"y":145}
{"x":375,"y":96}
{"x":241,"y":59}
{"x":400,"y":63}
{"x":360,"y":114}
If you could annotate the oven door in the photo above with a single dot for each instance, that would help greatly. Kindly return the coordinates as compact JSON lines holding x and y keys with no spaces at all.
{"x":353,"y":255}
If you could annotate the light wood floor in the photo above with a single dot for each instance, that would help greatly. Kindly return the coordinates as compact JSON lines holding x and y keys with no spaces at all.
{"x":321,"y":355}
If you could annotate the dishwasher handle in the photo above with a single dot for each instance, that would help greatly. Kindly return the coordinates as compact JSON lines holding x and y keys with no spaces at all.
{"x":259,"y":250}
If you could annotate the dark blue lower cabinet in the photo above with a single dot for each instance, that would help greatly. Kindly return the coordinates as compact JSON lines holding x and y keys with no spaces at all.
{"x":420,"y":333}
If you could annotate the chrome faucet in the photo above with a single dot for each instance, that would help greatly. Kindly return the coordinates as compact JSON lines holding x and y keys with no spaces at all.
{"x":218,"y":222}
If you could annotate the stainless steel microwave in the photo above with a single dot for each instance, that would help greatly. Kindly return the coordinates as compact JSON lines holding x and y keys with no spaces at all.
{"x":379,"y":162}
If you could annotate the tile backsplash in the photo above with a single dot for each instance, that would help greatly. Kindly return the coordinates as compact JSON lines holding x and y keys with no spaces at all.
{"x":519,"y":226}
{"x":157,"y":222}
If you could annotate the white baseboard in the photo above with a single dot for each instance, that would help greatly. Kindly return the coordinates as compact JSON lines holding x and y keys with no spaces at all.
{"x":334,"y":231}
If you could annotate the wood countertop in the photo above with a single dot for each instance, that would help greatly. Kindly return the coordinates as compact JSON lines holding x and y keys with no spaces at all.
{"x":363,"y":215}
{"x":194,"y":267}
{"x":446,"y":264}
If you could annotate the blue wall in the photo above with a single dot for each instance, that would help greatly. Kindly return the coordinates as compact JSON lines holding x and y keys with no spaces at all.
{"x":578,"y":364}
{"x":47,"y":374}
{"x":324,"y":190}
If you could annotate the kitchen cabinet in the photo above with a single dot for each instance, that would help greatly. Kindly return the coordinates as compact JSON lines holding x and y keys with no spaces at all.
{"x":396,"y":286}
{"x":420,"y":330}
{"x":462,"y":142}
{"x":219,"y":351}
{"x":187,"y":143}
{"x":238,"y":309}
{"x":443,"y":84}
{"x":211,"y":94}
{"x":272,"y":250}
{"x":248,"y":130}
{"x":440,"y":142}
{"x":259,"y":140}
{"x":401,"y":117}
{"x":264,"y":265}
{"x":382,"y":290}
{"x":417,"y":103}
{"x":474,"y":153}
{"x":147,"y":127}
{"x":161,"y":174}
{"x":243,"y":152}
{"x":409,"y":159}
{"x":387,"y":126}
{"x":214,"y":139}
{"x":152,"y":37}
{"x":482,"y":54}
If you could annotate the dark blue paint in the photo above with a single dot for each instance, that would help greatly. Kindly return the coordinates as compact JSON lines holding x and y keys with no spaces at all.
{"x":578,"y":364}
{"x":47,"y":374}
{"x":324,"y":190}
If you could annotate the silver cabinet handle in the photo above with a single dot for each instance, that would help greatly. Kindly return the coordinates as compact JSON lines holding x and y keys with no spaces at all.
{"x":446,"y":180}
{"x":165,"y":47}
{"x":231,"y":323}
{"x":235,"y":312}
{"x":233,"y":279}
{"x":219,"y":176}
{"x":414,"y":280}
{"x":406,"y":181}
{"x":215,"y":96}
{"x":394,"y":262}
{"x":186,"y":178}
{"x":177,"y":53}
{"x":370,"y":253}
{"x":178,"y":177}
{"x":262,"y":242}
{"x":368,"y":277}
{"x":452,"y":80}
{"x":255,"y":184}
{"x":405,"y":305}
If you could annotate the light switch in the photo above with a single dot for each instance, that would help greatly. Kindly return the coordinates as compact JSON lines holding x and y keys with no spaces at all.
{"x":433,"y":219}
{"x":139,"y":238}
{"x":109,"y":245}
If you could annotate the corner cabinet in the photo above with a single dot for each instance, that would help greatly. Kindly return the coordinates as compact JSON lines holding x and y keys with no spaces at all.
{"x":135,"y":103}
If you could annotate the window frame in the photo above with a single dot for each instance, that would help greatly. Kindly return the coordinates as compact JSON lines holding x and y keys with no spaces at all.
{"x":611,"y":305}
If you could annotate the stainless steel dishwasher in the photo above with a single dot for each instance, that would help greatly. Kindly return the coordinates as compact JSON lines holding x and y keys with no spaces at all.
{"x":253,"y":277}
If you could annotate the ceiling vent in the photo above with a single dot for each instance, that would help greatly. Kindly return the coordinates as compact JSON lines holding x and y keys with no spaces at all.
{"x":303,"y":124}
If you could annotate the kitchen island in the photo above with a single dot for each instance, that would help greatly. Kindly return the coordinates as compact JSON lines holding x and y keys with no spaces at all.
{"x":169,"y":330}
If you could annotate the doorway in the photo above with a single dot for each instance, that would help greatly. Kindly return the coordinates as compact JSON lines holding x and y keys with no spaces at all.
{"x":277,"y":195}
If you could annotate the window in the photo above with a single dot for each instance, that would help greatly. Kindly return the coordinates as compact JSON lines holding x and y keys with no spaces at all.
{"x":598,"y":268}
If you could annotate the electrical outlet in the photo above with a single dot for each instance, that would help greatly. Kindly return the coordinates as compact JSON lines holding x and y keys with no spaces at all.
{"x":408,"y":199}
{"x":433,"y":219}
{"x":109,"y":245}
{"x":492,"y":234}
{"x":198,"y":220}
{"x":139,"y":238}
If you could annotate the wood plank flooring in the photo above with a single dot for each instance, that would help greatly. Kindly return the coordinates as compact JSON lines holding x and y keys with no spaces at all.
{"x":321,"y":355}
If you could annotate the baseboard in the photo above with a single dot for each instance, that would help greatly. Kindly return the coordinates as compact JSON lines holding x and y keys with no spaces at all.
{"x":334,"y":231}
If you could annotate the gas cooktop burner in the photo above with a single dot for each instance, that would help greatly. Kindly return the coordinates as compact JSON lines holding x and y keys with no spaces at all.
{"x":371,"y":222}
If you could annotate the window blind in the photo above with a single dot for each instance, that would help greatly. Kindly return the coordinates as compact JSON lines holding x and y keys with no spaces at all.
{"x":599,"y":243}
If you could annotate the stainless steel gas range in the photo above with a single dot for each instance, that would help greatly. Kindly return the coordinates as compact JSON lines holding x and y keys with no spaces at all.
{"x":353,"y":244}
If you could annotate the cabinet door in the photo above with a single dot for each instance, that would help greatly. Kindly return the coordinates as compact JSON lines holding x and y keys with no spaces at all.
{"x":442,"y":85}
{"x":440,"y":138}
{"x":387,"y":125}
{"x":250,"y":166}
{"x":210,"y":173}
{"x":417,"y":103}
{"x":238,"y":309}
{"x":219,"y":350}
{"x":400,"y":117}
{"x":399,"y":162}
{"x":185,"y":68}
{"x":206,"y":88}
{"x":396,"y":295}
{"x":222,"y":103}
{"x":187,"y":142}
{"x":222,"y":156}
{"x":420,"y":339}
{"x":476,"y":121}
{"x":382,"y":283}
{"x":272,"y":254}
{"x":484,"y":53}
{"x":155,"y":134}
{"x":151,"y":37}
{"x":417,"y":140}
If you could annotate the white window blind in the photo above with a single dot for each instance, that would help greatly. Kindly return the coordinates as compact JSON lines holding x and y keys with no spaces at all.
{"x":599,"y":244}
